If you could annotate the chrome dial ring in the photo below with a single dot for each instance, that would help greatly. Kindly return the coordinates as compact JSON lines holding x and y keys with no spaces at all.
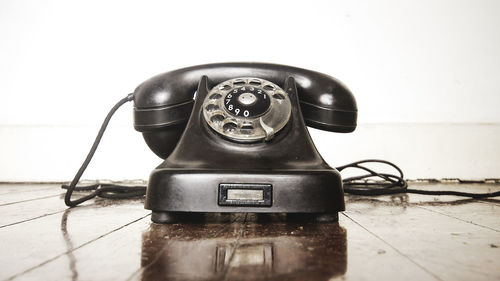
{"x":247,"y":109}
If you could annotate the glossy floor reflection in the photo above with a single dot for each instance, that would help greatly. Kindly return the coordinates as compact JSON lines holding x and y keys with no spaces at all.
{"x":397,"y":237}
{"x":244,"y":249}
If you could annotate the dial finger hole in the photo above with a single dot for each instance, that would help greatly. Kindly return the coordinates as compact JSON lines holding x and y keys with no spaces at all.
{"x":246,"y":129}
{"x":225,"y":87}
{"x":215,"y":96}
{"x":217,"y":118}
{"x":229,"y":127}
{"x":211,"y":107}
{"x":269,"y":87}
{"x":255,"y":82}
{"x":279,"y":96}
{"x":239,"y":82}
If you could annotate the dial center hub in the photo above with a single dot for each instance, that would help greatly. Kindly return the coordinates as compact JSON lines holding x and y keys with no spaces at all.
{"x":247,"y":99}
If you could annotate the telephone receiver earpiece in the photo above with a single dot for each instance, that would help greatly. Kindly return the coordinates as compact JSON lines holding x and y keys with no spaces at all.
{"x":163,"y":104}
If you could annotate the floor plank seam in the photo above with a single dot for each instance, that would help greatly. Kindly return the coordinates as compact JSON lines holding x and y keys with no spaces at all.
{"x":33,"y":199}
{"x":236,"y":244}
{"x":462,"y":220}
{"x":74,"y":249}
{"x":489,"y":201}
{"x":395,"y":249}
{"x":31,"y":219}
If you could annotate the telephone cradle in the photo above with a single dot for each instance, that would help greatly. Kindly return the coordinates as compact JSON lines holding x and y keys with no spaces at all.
{"x":241,"y":144}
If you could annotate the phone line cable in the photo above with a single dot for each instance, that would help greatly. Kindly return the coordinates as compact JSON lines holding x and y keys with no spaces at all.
{"x":391,"y":183}
{"x":110,"y":191}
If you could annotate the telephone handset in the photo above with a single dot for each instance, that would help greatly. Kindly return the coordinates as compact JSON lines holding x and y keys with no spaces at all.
{"x":234,"y":139}
{"x":163,"y":104}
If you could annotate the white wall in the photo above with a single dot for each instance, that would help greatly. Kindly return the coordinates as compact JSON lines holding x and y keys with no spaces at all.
{"x":415,"y":67}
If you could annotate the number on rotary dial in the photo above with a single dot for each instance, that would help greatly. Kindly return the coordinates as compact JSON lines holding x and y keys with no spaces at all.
{"x":236,"y":105}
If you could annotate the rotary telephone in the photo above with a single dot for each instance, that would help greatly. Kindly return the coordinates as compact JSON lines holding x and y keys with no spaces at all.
{"x":233,"y":138}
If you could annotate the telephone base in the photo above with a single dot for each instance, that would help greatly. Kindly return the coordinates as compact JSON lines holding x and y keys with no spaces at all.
{"x":176,"y":217}
{"x":185,"y":195}
{"x":207,"y":173}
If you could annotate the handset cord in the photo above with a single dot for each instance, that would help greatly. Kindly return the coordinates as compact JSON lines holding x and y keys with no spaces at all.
{"x":358,"y":185}
{"x":102,"y":190}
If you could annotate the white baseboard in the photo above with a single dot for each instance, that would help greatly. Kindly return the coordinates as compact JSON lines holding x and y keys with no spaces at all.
{"x":54,"y":153}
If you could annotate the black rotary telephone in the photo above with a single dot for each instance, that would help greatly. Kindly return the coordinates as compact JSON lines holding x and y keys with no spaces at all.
{"x":234,"y":139}
{"x":241,"y":144}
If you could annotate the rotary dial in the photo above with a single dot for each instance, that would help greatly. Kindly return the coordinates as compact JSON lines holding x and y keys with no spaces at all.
{"x":247,"y":101}
{"x":247,"y":109}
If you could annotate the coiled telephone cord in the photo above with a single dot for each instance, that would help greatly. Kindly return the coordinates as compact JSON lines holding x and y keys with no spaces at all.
{"x":358,"y":185}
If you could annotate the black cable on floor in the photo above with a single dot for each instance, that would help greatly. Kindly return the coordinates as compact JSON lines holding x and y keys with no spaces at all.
{"x":112,"y":191}
{"x":391,"y":183}
{"x":106,"y":191}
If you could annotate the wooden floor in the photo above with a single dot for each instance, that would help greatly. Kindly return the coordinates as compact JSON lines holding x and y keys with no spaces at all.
{"x":402,"y":237}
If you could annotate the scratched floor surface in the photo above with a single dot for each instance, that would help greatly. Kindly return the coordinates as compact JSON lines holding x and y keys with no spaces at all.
{"x":400,"y":237}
